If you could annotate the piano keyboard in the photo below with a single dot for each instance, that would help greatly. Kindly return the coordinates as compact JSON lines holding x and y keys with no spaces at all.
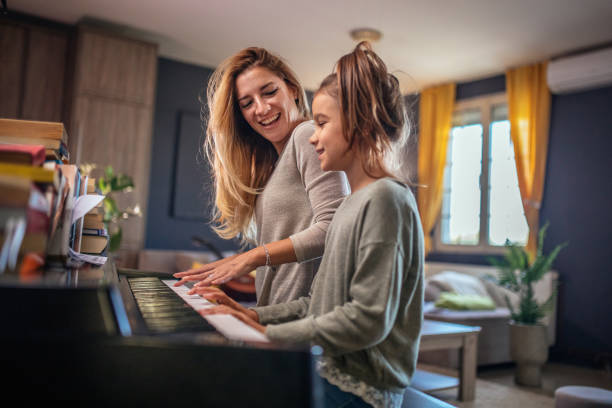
{"x":228,"y":325}
{"x":161,"y":310}
{"x":166,"y":308}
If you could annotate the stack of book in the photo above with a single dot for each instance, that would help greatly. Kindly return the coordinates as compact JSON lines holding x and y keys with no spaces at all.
{"x":51,"y":135}
{"x":30,"y":197}
{"x":43,"y":199}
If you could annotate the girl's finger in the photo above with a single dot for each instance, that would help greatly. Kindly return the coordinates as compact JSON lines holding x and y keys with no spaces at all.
{"x":215,"y":310}
{"x":207,"y":289}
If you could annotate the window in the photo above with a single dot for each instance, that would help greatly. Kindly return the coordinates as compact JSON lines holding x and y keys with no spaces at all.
{"x":481,"y":205}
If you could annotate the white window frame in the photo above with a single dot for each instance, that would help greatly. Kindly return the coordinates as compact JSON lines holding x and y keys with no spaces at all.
{"x":485,"y":104}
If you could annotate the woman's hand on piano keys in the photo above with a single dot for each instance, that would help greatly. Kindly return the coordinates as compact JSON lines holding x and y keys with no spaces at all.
{"x":218,"y":272}
{"x":238,"y":315}
{"x":219,"y":297}
{"x":202,"y":272}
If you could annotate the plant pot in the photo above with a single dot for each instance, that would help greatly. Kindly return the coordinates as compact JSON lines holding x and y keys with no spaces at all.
{"x":529,"y":350}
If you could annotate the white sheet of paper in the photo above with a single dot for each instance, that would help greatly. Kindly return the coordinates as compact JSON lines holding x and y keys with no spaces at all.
{"x":227,"y":325}
{"x":92,"y":259}
{"x":85,"y":204}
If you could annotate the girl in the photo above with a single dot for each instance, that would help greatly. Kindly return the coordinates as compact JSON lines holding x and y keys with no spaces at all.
{"x":265,"y":171}
{"x":365,"y":304}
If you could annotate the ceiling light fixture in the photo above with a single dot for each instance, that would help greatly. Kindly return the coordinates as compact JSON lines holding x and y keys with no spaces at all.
{"x":365,"y":34}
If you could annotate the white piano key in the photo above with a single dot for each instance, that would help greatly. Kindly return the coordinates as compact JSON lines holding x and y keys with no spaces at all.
{"x":227,"y":325}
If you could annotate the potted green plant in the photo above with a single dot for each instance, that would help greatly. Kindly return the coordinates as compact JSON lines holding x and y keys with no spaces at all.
{"x":519,"y":272}
{"x":110,"y":184}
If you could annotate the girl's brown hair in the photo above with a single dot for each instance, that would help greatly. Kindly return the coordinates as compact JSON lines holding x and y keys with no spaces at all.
{"x":372,"y":108}
{"x":241,"y":159}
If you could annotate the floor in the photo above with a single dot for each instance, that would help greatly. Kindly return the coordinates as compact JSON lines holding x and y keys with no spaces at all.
{"x":495,"y":386}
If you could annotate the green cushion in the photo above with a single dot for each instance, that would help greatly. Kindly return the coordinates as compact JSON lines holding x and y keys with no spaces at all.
{"x":456,"y":301}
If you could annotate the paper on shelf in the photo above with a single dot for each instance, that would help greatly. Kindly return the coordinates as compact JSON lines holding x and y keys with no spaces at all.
{"x":92,"y":259}
{"x":85,"y":204}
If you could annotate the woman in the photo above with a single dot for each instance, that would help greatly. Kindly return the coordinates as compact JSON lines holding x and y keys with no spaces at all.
{"x":269,"y":188}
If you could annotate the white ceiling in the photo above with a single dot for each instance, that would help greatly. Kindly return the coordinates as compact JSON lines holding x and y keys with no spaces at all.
{"x":427,"y":41}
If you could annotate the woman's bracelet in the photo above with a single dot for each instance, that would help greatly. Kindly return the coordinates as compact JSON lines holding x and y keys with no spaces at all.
{"x":267,"y":255}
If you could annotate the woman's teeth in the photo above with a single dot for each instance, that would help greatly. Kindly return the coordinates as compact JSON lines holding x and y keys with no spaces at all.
{"x":269,"y":121}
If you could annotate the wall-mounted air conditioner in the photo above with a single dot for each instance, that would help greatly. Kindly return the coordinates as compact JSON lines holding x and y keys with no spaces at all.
{"x":580,"y":72}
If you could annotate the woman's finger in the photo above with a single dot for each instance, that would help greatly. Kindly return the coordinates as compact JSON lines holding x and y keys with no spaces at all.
{"x":219,"y":279}
{"x":210,"y":280}
{"x":193,"y":271}
{"x":200,"y":276}
{"x":191,"y":278}
{"x":202,"y":284}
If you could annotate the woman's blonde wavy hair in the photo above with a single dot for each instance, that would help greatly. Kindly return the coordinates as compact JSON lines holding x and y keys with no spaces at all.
{"x":241,"y":159}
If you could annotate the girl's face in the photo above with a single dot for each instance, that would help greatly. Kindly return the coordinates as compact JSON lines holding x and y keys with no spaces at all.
{"x":267,"y":104}
{"x":328,"y":138}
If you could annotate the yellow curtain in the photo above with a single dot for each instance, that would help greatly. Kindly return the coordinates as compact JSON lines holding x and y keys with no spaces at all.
{"x":435,"y":114}
{"x":529,"y":113}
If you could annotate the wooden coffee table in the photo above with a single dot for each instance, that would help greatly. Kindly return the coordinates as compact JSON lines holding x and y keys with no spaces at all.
{"x":441,"y":335}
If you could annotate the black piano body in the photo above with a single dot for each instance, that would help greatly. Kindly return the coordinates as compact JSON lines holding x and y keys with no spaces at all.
{"x":80,"y":341}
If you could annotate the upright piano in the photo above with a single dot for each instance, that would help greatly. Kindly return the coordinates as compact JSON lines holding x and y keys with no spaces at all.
{"x":121,"y":337}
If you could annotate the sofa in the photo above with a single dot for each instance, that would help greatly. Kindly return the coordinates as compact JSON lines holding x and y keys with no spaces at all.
{"x":494,"y":337}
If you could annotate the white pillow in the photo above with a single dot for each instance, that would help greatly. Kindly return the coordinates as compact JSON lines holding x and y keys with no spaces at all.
{"x":498,"y":294}
{"x":460,"y":283}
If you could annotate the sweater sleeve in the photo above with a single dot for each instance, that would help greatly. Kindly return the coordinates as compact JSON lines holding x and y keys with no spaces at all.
{"x":367,"y":318}
{"x":325,"y":190}
{"x":283,"y":312}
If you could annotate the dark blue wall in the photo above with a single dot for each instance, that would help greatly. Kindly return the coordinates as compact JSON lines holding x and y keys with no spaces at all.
{"x":179,"y":191}
{"x":577,"y":198}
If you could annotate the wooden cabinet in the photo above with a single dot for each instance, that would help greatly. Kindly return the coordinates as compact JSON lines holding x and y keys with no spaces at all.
{"x":43,"y":95}
{"x":12,"y":41}
{"x":33,"y":74}
{"x":115,"y":68}
{"x":112,"y":115}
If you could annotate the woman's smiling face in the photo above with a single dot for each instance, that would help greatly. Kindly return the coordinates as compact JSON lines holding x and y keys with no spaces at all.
{"x":267,"y":104}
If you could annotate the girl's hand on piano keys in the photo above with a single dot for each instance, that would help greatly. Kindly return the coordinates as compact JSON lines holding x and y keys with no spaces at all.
{"x":238,"y":315}
{"x":219,"y":297}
